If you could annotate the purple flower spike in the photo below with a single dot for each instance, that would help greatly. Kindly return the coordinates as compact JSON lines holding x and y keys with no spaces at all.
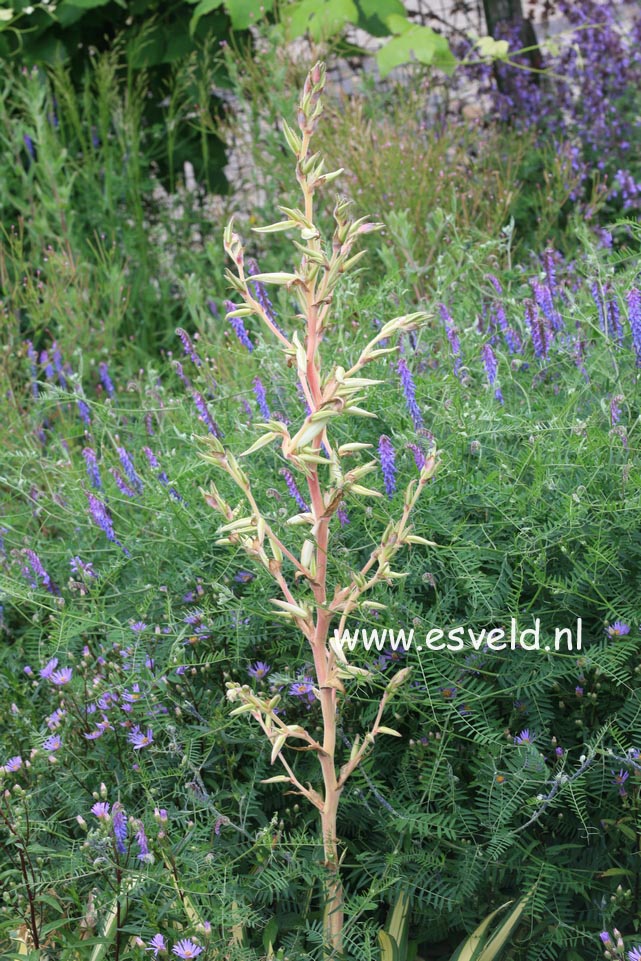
{"x":205,"y":416}
{"x":388,"y":465}
{"x":491,"y":369}
{"x":614,"y":319}
{"x":238,"y":326}
{"x":144,"y":853}
{"x":261,"y":398}
{"x":106,"y":380}
{"x":341,"y":513}
{"x":39,"y":572}
{"x":294,"y":491}
{"x":101,"y":518}
{"x":119,"y":822}
{"x":261,"y":293}
{"x":409,"y":390}
{"x":419,"y":456}
{"x":188,"y":347}
{"x":129,"y":469}
{"x":121,"y":483}
{"x":634,"y":319}
{"x":91,"y":461}
{"x":538,"y":330}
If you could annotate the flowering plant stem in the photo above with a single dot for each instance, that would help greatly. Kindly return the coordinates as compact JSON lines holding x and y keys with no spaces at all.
{"x":302,"y":573}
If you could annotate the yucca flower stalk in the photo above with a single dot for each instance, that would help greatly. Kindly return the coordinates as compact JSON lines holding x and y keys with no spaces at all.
{"x":309,"y":597}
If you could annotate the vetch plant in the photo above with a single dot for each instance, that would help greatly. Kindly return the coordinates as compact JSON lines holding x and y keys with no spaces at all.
{"x":310,"y":597}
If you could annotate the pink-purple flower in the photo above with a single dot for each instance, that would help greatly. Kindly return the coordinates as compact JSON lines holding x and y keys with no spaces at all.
{"x":186,"y":949}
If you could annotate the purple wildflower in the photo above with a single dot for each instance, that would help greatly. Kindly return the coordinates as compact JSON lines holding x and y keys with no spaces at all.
{"x":293,"y":490}
{"x":595,"y":290}
{"x":634,"y":319}
{"x":634,"y":954}
{"x":260,"y":292}
{"x":559,"y":751}
{"x":39,"y":572}
{"x":119,"y":821}
{"x":237,"y":325}
{"x":121,"y":483}
{"x":304,"y":688}
{"x":139,"y":739}
{"x":83,"y":408}
{"x":491,"y":369}
{"x":157,"y":944}
{"x":618,"y":629}
{"x":61,"y":677}
{"x":538,"y":330}
{"x":261,"y":398}
{"x":543,"y":298}
{"x":129,"y":469}
{"x":91,"y":461}
{"x":85,"y":570}
{"x":452,"y":336}
{"x":186,"y":949}
{"x":205,"y":416}
{"x":619,"y":781}
{"x":419,"y":456}
{"x":578,"y":690}
{"x":259,"y":670}
{"x":614,"y":318}
{"x":143,"y":845}
{"x":52,"y":743}
{"x":244,"y":577}
{"x":409,"y":390}
{"x":188,"y":347}
{"x":106,"y":380}
{"x":49,"y":668}
{"x":178,"y":367}
{"x":101,"y":518}
{"x":341,"y":513}
{"x":524,"y":737}
{"x":101,"y":810}
{"x":615,"y":410}
{"x":138,"y":627}
{"x":388,"y":466}
{"x":13,"y":764}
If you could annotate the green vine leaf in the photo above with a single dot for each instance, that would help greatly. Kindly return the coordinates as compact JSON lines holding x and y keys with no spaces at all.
{"x":414,"y":43}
